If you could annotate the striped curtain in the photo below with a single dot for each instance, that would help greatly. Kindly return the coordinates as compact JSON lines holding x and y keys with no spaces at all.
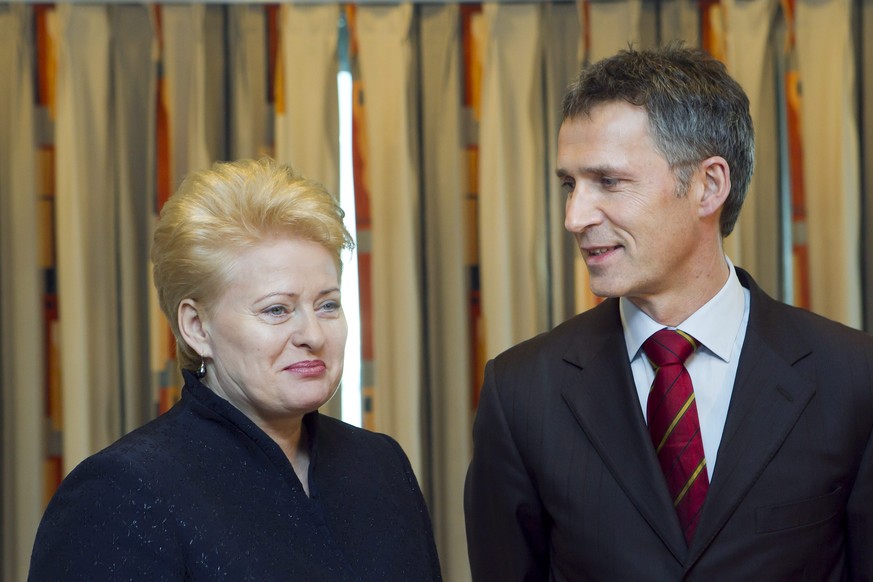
{"x":512,"y":135}
{"x":86,"y":234}
{"x":388,"y":74}
{"x":22,"y":363}
{"x":447,"y":338}
{"x":831,"y":165}
{"x":461,"y":244}
{"x":750,"y":57}
{"x":306,"y":120}
{"x":134,"y":68}
{"x":864,"y":21}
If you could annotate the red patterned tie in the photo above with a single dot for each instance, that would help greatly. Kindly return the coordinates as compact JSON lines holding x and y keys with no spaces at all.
{"x":674,"y":426}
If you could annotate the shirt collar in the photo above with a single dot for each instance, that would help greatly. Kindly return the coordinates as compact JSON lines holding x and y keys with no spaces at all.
{"x":715,"y":325}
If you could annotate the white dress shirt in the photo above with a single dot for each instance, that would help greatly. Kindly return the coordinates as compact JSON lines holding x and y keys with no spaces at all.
{"x":720,"y":327}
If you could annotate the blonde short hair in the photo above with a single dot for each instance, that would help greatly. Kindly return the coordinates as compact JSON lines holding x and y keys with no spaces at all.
{"x":218,"y":213}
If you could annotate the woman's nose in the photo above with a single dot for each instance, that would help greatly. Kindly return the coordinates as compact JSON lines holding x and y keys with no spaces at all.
{"x":307,"y":331}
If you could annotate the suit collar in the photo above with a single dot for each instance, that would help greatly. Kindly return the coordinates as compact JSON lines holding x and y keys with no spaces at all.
{"x":601,"y":395}
{"x":768,"y":398}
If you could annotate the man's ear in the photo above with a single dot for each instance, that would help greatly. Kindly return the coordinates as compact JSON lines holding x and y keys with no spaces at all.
{"x":192,"y":327}
{"x":716,"y":175}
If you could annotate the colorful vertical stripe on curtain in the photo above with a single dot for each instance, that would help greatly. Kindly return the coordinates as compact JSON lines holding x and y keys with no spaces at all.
{"x":460,"y":239}
{"x":389,"y":76}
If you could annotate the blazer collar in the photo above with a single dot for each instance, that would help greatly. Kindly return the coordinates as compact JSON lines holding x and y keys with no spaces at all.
{"x":768,"y":397}
{"x":600,"y":393}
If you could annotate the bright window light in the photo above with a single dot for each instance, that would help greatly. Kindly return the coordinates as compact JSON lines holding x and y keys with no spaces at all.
{"x":351,"y":381}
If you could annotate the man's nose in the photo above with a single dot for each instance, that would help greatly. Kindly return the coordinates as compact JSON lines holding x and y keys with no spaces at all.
{"x":582,"y":209}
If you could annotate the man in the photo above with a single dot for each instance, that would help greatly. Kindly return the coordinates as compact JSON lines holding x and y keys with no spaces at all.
{"x":752,"y":458}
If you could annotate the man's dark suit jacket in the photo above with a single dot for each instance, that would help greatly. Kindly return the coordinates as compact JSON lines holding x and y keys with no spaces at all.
{"x":564,"y":483}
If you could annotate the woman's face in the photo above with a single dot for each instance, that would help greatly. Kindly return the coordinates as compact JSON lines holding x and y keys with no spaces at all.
{"x":275,"y":338}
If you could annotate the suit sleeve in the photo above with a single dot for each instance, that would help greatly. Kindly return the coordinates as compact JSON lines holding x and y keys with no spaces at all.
{"x":106,"y":523}
{"x":507,"y":532}
{"x":859,"y":517}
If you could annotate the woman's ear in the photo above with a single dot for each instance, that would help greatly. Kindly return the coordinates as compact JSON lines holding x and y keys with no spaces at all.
{"x":716,"y":175}
{"x":192,"y":327}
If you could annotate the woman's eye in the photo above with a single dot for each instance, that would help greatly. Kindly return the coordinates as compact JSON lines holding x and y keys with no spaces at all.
{"x":277,"y":310}
{"x":330,"y":306}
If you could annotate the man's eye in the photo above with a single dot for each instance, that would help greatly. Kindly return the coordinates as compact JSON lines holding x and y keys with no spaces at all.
{"x":568,"y":186}
{"x":608,"y":182}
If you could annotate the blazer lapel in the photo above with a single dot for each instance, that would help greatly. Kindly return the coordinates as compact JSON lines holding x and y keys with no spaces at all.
{"x":768,"y":398}
{"x":601,"y":394}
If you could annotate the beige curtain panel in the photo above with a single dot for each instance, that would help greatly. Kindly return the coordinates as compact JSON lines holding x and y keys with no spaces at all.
{"x":461,"y":112}
{"x":22,"y":363}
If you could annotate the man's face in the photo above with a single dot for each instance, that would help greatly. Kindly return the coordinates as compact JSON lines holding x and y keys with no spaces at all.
{"x":638,"y":237}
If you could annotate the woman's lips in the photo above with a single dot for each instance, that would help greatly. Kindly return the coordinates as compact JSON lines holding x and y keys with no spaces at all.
{"x":308,"y":368}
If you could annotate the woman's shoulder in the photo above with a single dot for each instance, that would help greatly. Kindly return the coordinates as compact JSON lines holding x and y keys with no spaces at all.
{"x":335,"y":431}
{"x":157,"y":452}
{"x":126,"y":484}
{"x":343,"y":443}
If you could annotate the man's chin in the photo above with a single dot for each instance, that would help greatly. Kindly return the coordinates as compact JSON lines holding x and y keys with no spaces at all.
{"x":603,"y":289}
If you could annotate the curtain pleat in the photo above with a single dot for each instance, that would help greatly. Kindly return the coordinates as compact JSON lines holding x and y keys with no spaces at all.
{"x":307,"y":122}
{"x":116,"y":157}
{"x":248,"y":81}
{"x":755,"y":243}
{"x":21,"y":352}
{"x":680,"y":20}
{"x":866,"y":25}
{"x":563,"y":58}
{"x":512,"y":179}
{"x":826,"y":61}
{"x":86,"y":234}
{"x":307,"y":118}
{"x":613,"y":25}
{"x":184,"y":29}
{"x":390,"y":85}
{"x":448,"y":337}
{"x":134,"y":72}
{"x":215,"y":83}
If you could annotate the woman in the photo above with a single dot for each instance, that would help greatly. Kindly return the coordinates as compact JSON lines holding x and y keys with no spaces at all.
{"x":242,"y":479}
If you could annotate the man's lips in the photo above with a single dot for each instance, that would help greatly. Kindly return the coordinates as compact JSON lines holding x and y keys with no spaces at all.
{"x":598,"y":251}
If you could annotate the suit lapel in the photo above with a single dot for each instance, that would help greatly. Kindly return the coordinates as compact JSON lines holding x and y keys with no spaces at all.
{"x":601,"y":394}
{"x":768,"y":398}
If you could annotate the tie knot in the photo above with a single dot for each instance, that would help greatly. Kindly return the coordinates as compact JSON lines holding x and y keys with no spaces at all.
{"x":669,"y":346}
